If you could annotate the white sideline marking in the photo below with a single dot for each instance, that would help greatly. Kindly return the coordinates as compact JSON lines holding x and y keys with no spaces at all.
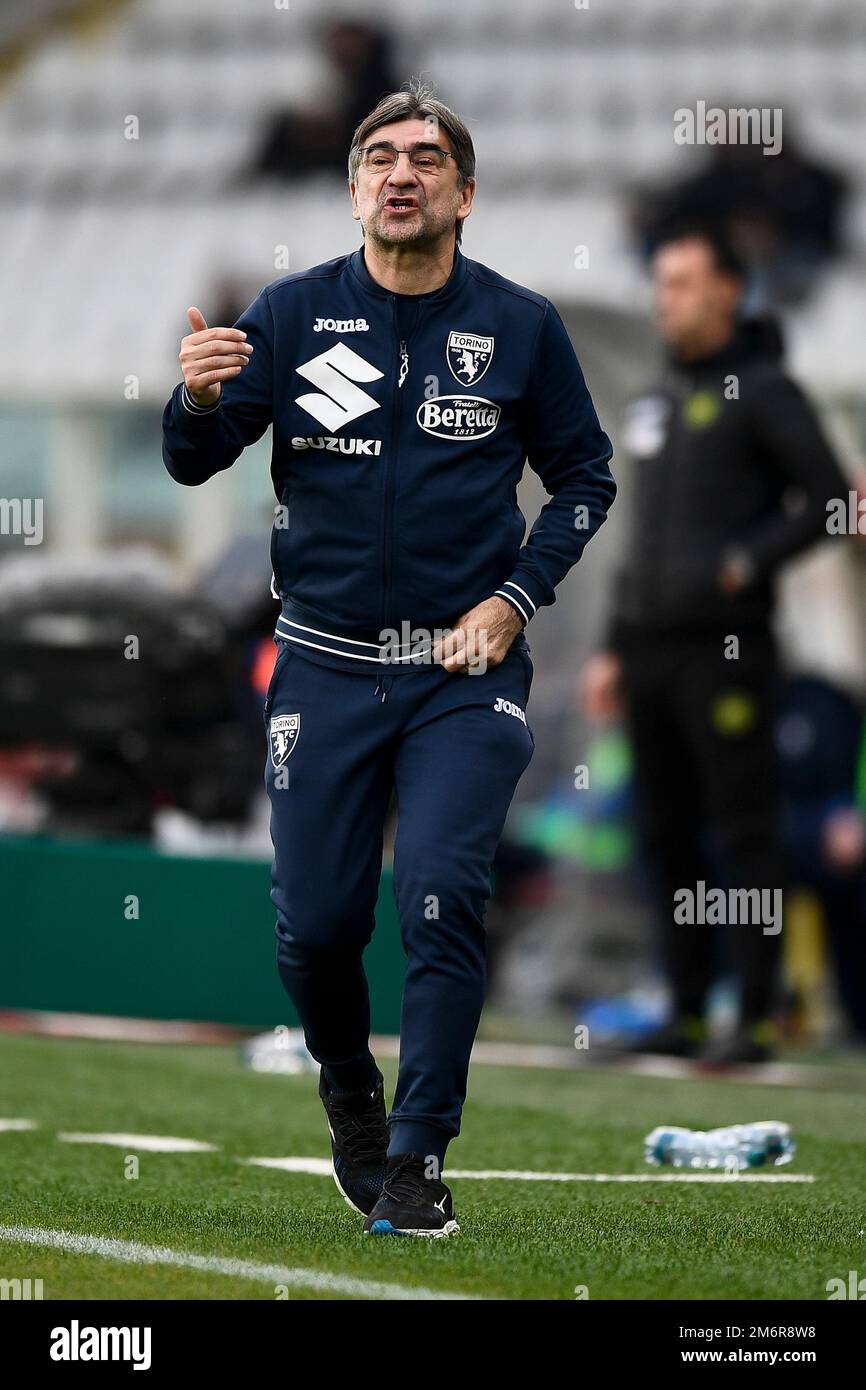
{"x":17,"y":1124}
{"x":517,"y":1176}
{"x":152,"y":1143}
{"x":321,"y":1167}
{"x":129,"y":1252}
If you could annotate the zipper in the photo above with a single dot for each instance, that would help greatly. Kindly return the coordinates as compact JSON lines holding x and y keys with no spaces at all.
{"x":388,"y":547}
{"x":674,"y":445}
{"x":282,"y":648}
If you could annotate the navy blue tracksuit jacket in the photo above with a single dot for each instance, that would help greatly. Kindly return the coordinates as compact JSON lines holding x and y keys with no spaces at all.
{"x":401,"y":426}
{"x":396,"y":461}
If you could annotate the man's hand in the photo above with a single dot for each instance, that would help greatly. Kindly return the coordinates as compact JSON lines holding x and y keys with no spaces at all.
{"x":736,"y":573}
{"x":481,"y":638}
{"x":209,"y":356}
{"x":601,"y":687}
{"x":843,"y":840}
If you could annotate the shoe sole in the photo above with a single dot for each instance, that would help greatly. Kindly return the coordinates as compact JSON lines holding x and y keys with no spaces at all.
{"x":383,"y":1227}
{"x":345,"y":1196}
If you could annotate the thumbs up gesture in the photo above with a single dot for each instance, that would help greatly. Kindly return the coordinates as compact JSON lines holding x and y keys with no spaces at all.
{"x":209,"y":356}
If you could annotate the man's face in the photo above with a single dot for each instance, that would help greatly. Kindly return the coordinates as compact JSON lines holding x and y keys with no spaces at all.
{"x":404,"y":205}
{"x":693,"y":298}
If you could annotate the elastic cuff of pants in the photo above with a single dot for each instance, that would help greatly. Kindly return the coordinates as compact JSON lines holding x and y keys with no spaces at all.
{"x":414,"y":1137}
{"x":358,"y":1074}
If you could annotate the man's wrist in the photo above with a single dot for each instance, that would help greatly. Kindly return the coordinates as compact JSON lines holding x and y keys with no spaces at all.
{"x":193,"y":406}
{"x":517,"y":599}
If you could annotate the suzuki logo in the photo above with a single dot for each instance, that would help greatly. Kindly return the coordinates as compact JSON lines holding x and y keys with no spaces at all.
{"x":334,"y":372}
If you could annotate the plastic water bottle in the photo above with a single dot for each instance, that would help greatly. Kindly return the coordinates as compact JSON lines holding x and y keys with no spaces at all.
{"x":731,"y":1149}
{"x":280,"y":1052}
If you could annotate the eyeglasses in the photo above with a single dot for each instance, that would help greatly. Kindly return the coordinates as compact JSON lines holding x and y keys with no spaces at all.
{"x":382,"y":157}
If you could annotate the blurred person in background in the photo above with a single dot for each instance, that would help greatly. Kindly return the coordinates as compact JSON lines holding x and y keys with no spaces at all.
{"x":296,"y":142}
{"x":732,"y":475}
{"x":783,"y":215}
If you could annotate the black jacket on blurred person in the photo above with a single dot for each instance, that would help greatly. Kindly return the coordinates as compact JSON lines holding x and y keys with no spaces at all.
{"x":729,"y":461}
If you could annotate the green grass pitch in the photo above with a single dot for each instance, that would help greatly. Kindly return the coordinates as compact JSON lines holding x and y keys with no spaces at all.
{"x":519,"y":1240}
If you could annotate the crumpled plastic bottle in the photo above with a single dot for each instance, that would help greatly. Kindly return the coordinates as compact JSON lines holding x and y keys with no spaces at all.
{"x":734,"y":1148}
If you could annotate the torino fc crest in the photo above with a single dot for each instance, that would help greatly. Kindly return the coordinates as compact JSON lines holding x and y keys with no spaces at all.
{"x":285,"y":732}
{"x":469,"y":356}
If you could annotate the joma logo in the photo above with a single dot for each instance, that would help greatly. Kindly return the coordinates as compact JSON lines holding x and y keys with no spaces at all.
{"x":506,"y":707}
{"x":341,"y":326}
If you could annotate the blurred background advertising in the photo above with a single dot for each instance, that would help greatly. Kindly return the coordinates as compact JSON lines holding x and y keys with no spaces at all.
{"x":161,"y":153}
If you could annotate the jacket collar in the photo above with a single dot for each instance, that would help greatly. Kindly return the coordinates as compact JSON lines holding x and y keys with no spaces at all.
{"x":459,"y":271}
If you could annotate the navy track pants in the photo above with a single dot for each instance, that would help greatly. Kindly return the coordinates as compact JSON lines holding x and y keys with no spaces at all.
{"x":453,"y":747}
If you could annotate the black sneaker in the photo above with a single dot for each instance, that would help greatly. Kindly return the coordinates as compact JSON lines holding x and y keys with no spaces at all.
{"x":359,"y":1142}
{"x":411,"y":1204}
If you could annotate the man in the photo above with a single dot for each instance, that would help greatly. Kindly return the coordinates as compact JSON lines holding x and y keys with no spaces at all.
{"x":731,"y":478}
{"x":406,"y":385}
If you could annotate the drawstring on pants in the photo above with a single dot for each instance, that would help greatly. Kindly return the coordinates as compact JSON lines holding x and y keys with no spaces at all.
{"x":383,"y":683}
